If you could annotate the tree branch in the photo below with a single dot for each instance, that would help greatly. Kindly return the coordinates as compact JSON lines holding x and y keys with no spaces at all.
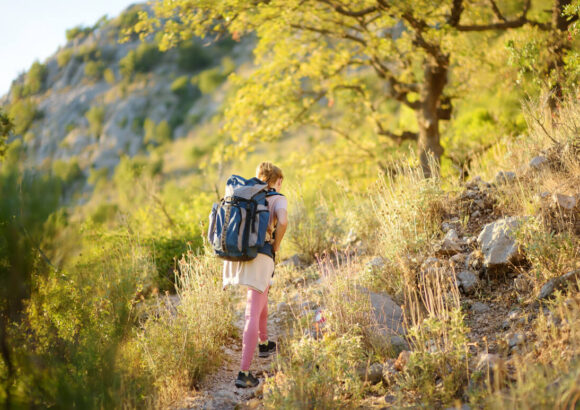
{"x":456,"y":12}
{"x":504,"y":24}
{"x":350,"y":13}
{"x":329,"y":33}
{"x":497,"y":11}
{"x":399,"y":138}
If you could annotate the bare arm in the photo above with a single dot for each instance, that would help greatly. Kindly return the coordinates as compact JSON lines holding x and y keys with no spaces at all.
{"x":282,"y":217}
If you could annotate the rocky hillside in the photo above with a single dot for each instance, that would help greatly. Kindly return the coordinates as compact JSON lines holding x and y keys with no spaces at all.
{"x":97,"y":99}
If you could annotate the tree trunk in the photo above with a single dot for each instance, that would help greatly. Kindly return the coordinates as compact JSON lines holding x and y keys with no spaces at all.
{"x":430,"y":149}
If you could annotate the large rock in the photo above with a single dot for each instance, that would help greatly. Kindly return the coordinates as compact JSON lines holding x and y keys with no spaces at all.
{"x":450,"y":245}
{"x":538,"y":162}
{"x":499,"y":246}
{"x":558,"y":283}
{"x":388,"y":315}
{"x":565,"y":202}
{"x":467,"y":281}
{"x":373,"y":374}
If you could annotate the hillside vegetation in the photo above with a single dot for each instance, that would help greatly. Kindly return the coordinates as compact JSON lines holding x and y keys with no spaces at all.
{"x":111,"y":154}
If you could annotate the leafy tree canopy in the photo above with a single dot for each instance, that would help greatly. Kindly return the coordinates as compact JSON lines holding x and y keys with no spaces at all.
{"x":341,"y":65}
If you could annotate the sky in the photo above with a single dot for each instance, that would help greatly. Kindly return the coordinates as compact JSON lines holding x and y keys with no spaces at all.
{"x":33,"y":30}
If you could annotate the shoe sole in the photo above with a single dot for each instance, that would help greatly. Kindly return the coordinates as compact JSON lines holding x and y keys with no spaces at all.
{"x":266,"y":354}
{"x":244,"y":385}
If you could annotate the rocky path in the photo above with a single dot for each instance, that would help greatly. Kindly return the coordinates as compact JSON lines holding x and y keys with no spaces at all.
{"x":217,"y":391}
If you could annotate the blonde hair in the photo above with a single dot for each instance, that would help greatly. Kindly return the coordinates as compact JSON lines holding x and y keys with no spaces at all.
{"x":269,"y":173}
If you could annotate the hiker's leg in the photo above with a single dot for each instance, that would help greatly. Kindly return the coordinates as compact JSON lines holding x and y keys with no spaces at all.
{"x":254,"y":304}
{"x":263,"y":326}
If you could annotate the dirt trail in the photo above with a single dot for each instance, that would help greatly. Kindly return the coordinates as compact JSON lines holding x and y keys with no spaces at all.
{"x":217,"y":391}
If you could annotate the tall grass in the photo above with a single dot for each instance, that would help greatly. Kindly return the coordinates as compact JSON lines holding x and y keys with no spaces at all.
{"x":180,"y":339}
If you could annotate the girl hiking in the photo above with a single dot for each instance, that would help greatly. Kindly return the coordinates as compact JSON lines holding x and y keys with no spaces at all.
{"x":257,"y":273}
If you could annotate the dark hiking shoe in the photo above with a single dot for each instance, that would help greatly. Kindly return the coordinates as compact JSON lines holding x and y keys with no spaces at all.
{"x":266,"y":350}
{"x":244,"y":381}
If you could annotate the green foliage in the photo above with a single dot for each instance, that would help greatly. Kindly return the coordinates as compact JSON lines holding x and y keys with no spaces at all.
{"x":23,"y":112}
{"x":193,"y":57}
{"x":156,"y":133}
{"x":127,"y":65}
{"x":317,"y":374}
{"x":67,"y":171}
{"x":78,"y":32}
{"x":96,"y":117}
{"x":94,"y":70}
{"x":147,"y":55}
{"x":179,"y":345}
{"x":180,"y":85}
{"x":209,"y":80}
{"x":313,"y":228}
{"x":6,"y":127}
{"x":33,"y":82}
{"x":28,"y":200}
{"x":63,"y":57}
{"x":109,"y":76}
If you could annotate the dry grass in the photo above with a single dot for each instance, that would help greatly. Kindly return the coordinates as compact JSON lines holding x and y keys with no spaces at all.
{"x":179,"y":340}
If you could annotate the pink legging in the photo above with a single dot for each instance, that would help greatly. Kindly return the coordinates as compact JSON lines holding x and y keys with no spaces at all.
{"x":256,"y":322}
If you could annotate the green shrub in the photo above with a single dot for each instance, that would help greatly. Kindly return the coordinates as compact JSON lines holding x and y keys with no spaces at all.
{"x":178,"y":346}
{"x":88,"y":53}
{"x":180,"y":86}
{"x":110,"y":76}
{"x":313,"y":229}
{"x":64,"y":56}
{"x":193,"y":57}
{"x":147,"y":55}
{"x":96,"y":117}
{"x":33,"y":82}
{"x":67,"y":171}
{"x":316,"y":374}
{"x":209,"y":80}
{"x":156,"y":133}
{"x":94,"y":70}
{"x":35,"y":78}
{"x":78,"y":32}
{"x":23,"y":112}
{"x":127,"y":65}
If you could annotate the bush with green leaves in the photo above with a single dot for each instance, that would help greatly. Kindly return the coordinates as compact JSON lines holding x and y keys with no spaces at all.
{"x":156,"y":133}
{"x":96,"y":117}
{"x":314,"y":228}
{"x":64,"y":56}
{"x":94,"y":70}
{"x":6,"y":127}
{"x":67,"y":171}
{"x":317,"y":374}
{"x":23,"y":112}
{"x":109,"y":76}
{"x":193,"y":57}
{"x":78,"y":32}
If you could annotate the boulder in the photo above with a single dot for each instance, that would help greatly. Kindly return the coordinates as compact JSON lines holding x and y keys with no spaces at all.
{"x":388,"y":315}
{"x":538,"y":162}
{"x":402,"y":360}
{"x":467,"y":281}
{"x":450,"y":245}
{"x":498,"y":244}
{"x":389,"y":372}
{"x":565,"y":202}
{"x":558,"y":283}
{"x":373,"y":374}
{"x":504,"y":177}
{"x":295,"y":261}
{"x":479,"y":307}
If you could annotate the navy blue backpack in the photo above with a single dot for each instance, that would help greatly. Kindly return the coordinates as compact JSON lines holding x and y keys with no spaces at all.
{"x":238,"y":224}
